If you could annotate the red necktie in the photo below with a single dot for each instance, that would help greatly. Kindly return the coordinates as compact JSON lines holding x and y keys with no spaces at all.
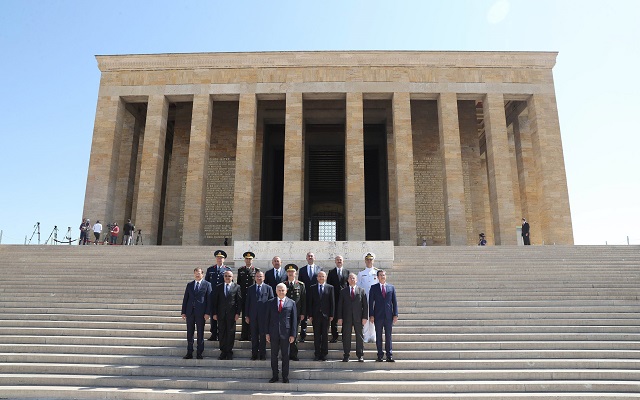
{"x":280,"y":306}
{"x":353,"y":296}
{"x":384,"y":292}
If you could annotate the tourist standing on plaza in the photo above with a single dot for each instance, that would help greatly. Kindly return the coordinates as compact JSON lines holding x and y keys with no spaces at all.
{"x":483,"y":240}
{"x":525,"y":232}
{"x":85,"y":225}
{"x":282,"y":328}
{"x":339,"y":279}
{"x":128,"y":233}
{"x":367,"y":278}
{"x":215,"y":276}
{"x":97,"y":230}
{"x":115,"y":230}
{"x":320,"y":312}
{"x":297,"y":292}
{"x":276,"y":274}
{"x":383,"y":313}
{"x":246,"y":278}
{"x":353,"y":313}
{"x":196,"y":310}
{"x":255,"y":309}
{"x":226,"y":309}
{"x":309,"y":276}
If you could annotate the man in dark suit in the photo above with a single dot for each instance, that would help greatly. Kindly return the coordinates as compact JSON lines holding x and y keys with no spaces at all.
{"x":353,"y":311}
{"x":196,"y":310}
{"x":297,"y":292}
{"x":309,"y":276}
{"x":383,"y":312}
{"x":338,"y":278}
{"x":282,"y":328}
{"x":255,"y":310}
{"x":226,"y":309}
{"x":215,"y":276}
{"x":276,"y":274}
{"x":320,"y":310}
{"x":525,"y":232}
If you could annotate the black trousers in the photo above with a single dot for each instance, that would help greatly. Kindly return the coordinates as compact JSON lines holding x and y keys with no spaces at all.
{"x":321,"y":336}
{"x":258,"y":341}
{"x":226,"y":334}
{"x":346,"y":337}
{"x":279,"y":346}
{"x":195,"y":322}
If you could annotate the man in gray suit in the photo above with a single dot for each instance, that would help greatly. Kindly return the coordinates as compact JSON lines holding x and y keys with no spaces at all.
{"x":282,"y":328}
{"x":353,"y":311}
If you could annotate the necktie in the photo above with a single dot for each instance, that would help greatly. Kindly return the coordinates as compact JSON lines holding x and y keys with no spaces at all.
{"x":277,"y":275}
{"x":226,"y":290}
{"x":280,"y":306}
{"x":320,"y":290}
{"x":353,"y":295}
{"x":258,"y":290}
{"x":197,"y":286}
{"x":310,"y":274}
{"x":384,"y":291}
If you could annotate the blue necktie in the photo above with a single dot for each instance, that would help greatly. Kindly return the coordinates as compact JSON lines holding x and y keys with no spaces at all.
{"x":197,"y":286}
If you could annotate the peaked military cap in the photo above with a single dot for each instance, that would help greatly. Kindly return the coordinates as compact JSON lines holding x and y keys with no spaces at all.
{"x":370,"y":255}
{"x":220,"y":253}
{"x":290,"y":267}
{"x":248,"y":254}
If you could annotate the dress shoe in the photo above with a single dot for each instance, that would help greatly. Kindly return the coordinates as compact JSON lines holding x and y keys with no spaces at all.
{"x":390,"y":359}
{"x":323,"y":358}
{"x":188,"y":356}
{"x":285,"y":380}
{"x":301,"y":340}
{"x":273,"y":380}
{"x":229,"y":357}
{"x":199,"y":357}
{"x":316,"y":358}
{"x":345,"y":359}
{"x":253,"y":358}
{"x":222,"y":357}
{"x":212,"y":338}
{"x":379,"y":359}
{"x":294,"y":359}
{"x":263,"y":358}
{"x":334,"y":340}
{"x":360,"y":359}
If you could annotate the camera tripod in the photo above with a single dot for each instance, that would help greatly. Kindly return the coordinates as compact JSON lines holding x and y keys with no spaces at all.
{"x":36,"y":228}
{"x":54,"y":234}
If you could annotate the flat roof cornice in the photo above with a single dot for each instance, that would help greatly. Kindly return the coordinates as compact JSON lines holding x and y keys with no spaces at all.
{"x":287,"y":59}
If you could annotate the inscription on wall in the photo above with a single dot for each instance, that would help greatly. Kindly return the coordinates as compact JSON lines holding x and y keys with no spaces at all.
{"x":429,"y":199}
{"x":219,"y":199}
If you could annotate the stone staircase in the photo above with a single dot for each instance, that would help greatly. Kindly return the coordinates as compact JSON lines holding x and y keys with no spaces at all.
{"x":554,"y":322}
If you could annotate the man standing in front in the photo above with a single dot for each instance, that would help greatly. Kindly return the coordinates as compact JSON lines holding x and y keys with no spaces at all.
{"x":128,"y":233}
{"x":246,"y":278}
{"x":255,"y":314}
{"x":97,"y":230}
{"x":297,"y":292}
{"x":338,"y":278}
{"x":276,"y":274}
{"x":309,"y":276}
{"x":226,"y":309}
{"x":353,"y":311}
{"x":196,"y":310}
{"x":282,"y":328}
{"x":367,"y":278}
{"x":320,"y":309}
{"x":215,"y":276}
{"x":383,"y":312}
{"x":525,"y":232}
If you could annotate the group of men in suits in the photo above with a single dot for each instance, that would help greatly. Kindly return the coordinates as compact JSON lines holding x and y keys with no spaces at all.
{"x":279,"y":300}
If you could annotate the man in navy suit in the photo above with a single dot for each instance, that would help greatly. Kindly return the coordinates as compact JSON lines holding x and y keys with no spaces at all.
{"x":383,"y":312}
{"x":276,"y":274}
{"x":196,"y":310}
{"x":255,"y":309}
{"x":282,"y":328}
{"x":320,"y":310}
{"x":309,"y":276}
{"x":226,"y":309}
{"x":338,"y":278}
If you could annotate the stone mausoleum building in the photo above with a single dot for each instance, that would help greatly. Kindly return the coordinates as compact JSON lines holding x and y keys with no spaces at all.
{"x":333,"y":145}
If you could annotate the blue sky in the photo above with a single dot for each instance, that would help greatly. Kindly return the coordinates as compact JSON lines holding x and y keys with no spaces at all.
{"x":49,"y":82}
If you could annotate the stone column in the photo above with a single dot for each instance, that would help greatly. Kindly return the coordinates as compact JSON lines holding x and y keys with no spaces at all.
{"x":150,"y":187}
{"x":452,"y":172}
{"x":354,"y":168}
{"x":198,"y":161}
{"x":405,"y":185}
{"x":103,"y":164}
{"x":499,"y":171}
{"x":292,"y":213}
{"x":526,"y":170}
{"x":245,"y":167}
{"x":553,"y":198}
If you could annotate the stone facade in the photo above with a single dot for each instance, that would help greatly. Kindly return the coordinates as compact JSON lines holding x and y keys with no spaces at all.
{"x":437,"y":146}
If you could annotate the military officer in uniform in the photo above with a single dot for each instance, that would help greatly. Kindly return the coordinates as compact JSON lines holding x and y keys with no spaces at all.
{"x":246,"y":278}
{"x":296,"y":291}
{"x":215,"y":276}
{"x":367,"y":278}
